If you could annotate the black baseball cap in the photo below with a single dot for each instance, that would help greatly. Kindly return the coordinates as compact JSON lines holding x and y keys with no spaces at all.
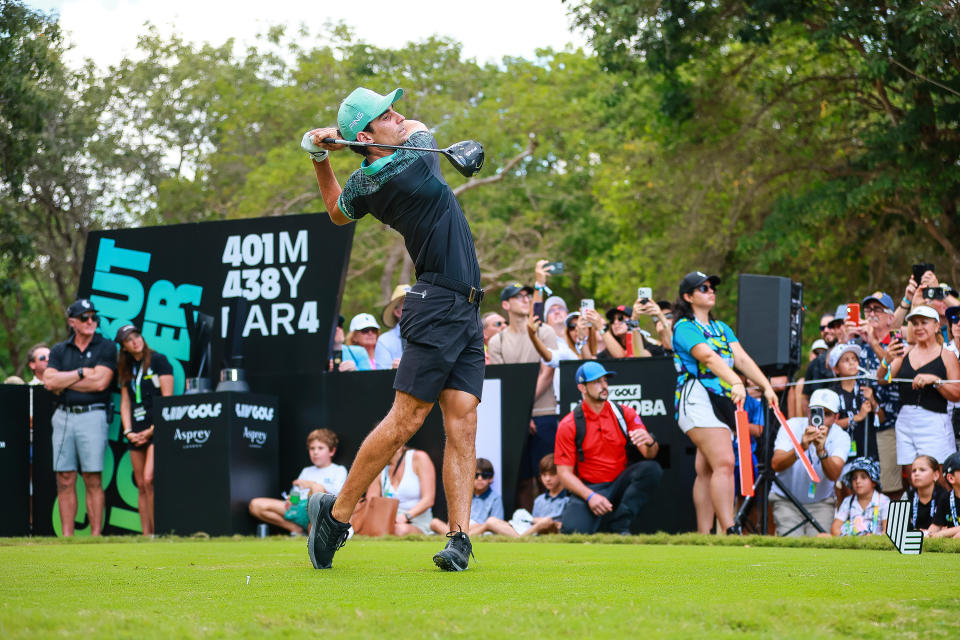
{"x":694,"y":279}
{"x":80,"y":307}
{"x":952,"y":463}
{"x":124,"y":332}
{"x":620,"y":308}
{"x":513,"y":289}
{"x":952,"y":314}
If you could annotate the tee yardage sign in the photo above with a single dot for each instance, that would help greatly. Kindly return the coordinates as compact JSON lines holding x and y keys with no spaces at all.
{"x":269,"y":267}
{"x":290,"y":269}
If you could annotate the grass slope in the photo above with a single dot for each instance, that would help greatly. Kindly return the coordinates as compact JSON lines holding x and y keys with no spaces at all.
{"x":390,"y":588}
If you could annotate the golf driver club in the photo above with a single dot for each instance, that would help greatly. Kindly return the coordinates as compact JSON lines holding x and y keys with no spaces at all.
{"x":466,"y":157}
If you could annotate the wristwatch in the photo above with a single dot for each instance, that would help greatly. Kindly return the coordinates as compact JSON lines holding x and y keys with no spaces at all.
{"x":80,"y":372}
{"x":824,"y":456}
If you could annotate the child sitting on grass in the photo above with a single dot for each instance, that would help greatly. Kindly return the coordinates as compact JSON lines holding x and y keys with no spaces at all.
{"x":924,"y":493}
{"x":486,"y":504}
{"x":322,"y":476}
{"x":863,"y":513}
{"x":547,"y":508}
{"x":946,"y":522}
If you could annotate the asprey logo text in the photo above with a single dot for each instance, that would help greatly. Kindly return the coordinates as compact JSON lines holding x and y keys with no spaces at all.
{"x":256,"y":438}
{"x":192,"y":411}
{"x":253,"y":411}
{"x":192,"y":438}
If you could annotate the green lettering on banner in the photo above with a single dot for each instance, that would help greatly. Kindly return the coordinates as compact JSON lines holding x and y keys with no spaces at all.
{"x":116,"y":312}
{"x":119,"y":299}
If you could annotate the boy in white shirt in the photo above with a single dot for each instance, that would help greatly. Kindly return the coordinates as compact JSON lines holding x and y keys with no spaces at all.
{"x":322,"y":476}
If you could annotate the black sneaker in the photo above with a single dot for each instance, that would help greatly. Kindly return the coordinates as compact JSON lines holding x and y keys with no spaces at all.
{"x":327,"y":534}
{"x":456,"y":554}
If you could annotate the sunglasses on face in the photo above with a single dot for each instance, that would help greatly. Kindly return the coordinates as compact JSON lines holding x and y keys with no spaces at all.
{"x":620,"y":319}
{"x":705,"y":287}
{"x":522,"y":296}
{"x":486,"y":475}
{"x":824,"y":327}
{"x":953,"y":319}
{"x":88,"y":317}
{"x":368,"y":330}
{"x":873,"y":311}
{"x":40,"y":359}
{"x":498,"y":324}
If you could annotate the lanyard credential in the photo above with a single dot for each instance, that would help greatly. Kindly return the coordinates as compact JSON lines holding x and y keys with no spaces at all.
{"x":136,"y":387}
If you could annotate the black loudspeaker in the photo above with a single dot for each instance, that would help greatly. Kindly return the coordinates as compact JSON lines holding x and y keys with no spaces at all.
{"x":770,"y":322}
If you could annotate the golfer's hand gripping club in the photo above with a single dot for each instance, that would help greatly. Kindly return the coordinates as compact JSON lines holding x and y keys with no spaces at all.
{"x":315,"y":152}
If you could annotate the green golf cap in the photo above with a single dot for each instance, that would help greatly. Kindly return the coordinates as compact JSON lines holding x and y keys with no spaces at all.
{"x":360,"y":107}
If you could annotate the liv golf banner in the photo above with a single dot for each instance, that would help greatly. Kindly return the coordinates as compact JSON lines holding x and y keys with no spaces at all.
{"x":290,"y":270}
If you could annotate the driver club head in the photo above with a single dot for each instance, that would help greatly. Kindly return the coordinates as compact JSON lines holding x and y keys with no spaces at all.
{"x":466,"y":157}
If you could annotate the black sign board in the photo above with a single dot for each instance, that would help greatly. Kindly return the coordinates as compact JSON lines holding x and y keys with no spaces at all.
{"x":214,"y":452}
{"x":14,"y":460}
{"x":647,"y":385}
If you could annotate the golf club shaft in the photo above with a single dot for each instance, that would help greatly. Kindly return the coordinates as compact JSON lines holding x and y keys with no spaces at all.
{"x":382,"y":146}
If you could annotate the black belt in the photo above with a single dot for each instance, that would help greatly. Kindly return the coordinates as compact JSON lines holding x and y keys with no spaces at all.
{"x":82,"y":408}
{"x":474,"y":295}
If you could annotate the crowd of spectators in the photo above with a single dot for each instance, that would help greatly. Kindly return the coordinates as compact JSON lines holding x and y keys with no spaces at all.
{"x":875,"y":409}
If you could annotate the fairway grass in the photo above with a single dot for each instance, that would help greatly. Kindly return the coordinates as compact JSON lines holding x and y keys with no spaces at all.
{"x":182,"y":588}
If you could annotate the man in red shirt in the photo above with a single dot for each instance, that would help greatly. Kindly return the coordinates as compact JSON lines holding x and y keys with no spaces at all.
{"x":606,"y":493}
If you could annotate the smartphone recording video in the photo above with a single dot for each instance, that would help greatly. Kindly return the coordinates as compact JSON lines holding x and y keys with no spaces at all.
{"x":853,"y":313}
{"x":644,"y":294}
{"x":538,"y":311}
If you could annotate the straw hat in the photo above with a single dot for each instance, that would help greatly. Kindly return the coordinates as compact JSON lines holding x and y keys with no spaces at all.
{"x":389,"y":320}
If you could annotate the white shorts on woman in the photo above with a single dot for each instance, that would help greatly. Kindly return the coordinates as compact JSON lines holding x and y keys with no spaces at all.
{"x":923,"y":432}
{"x":696,"y":410}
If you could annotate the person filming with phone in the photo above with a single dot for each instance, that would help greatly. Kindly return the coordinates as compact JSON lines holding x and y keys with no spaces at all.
{"x":706,"y":351}
{"x":923,"y":426}
{"x":826,"y":446}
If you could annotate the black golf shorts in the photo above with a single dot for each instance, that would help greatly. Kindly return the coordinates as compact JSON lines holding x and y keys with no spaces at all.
{"x":444,"y":344}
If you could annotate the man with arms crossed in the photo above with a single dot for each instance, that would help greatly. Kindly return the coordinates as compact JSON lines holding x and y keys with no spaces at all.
{"x":444,"y":358}
{"x":79,"y":371}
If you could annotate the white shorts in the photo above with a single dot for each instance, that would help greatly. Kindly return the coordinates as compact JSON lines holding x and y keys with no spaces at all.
{"x":696,"y":410}
{"x":923,"y":432}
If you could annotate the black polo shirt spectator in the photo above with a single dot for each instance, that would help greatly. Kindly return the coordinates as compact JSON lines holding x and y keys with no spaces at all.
{"x":65,"y":356}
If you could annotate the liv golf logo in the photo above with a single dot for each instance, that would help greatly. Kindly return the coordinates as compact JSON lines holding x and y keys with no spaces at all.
{"x":192,"y":438}
{"x":192,"y":411}
{"x":630,"y":395}
{"x":253,"y":411}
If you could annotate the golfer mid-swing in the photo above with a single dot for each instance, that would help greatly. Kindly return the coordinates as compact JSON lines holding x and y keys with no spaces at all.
{"x":443,"y":359}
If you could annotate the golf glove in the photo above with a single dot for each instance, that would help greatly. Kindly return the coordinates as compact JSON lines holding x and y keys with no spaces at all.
{"x":318,"y":154}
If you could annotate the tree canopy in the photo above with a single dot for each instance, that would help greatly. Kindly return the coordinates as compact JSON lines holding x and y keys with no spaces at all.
{"x":792,"y":138}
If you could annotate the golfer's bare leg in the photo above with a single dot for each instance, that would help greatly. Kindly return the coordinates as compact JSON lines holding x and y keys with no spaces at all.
{"x":403,"y":420}
{"x":460,"y":455}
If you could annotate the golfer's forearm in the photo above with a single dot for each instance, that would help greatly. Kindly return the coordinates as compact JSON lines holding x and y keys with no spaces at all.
{"x":330,"y":191}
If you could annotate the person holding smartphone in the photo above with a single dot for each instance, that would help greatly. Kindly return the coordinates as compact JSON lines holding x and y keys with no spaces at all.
{"x":706,"y":351}
{"x":923,"y":426}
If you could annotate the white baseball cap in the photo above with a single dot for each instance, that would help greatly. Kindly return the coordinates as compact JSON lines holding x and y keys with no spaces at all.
{"x":827,"y":399}
{"x":819,"y":343}
{"x":363,"y":321}
{"x":924,"y":311}
{"x":841,"y":349}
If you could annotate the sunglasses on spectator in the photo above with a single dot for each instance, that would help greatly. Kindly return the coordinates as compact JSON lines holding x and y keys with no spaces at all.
{"x":705,"y":287}
{"x":368,"y":330}
{"x":88,"y":317}
{"x":486,"y":475}
{"x":40,"y":358}
{"x":620,"y":318}
{"x":953,"y":319}
{"x":523,"y":296}
{"x":874,"y":311}
{"x":824,"y":327}
{"x":498,"y":323}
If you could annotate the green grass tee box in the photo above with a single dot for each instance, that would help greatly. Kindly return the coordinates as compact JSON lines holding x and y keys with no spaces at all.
{"x":390,"y":588}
